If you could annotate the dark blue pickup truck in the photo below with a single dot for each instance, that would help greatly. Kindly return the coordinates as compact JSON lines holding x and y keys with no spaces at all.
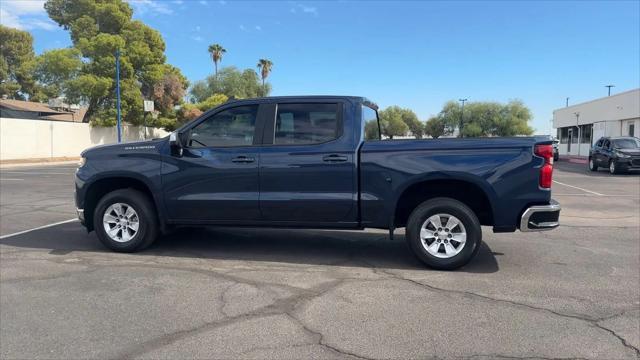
{"x":317,"y":162}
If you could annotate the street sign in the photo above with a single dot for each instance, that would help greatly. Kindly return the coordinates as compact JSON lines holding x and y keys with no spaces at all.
{"x":148,"y":105}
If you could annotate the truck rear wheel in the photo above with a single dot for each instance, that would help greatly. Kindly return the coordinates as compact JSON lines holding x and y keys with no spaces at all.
{"x":125,"y":221}
{"x":444,"y":233}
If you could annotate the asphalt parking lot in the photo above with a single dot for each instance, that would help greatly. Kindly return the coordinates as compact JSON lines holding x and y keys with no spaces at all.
{"x":250,"y":293}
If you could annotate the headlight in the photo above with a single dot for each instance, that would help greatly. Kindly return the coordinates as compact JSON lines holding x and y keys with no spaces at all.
{"x":622,"y":155}
{"x":82,"y":161}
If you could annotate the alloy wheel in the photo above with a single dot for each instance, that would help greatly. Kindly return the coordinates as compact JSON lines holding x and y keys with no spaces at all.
{"x":443,"y":235}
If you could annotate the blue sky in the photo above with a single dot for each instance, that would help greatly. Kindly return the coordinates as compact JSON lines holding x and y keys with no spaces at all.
{"x":416,"y":54}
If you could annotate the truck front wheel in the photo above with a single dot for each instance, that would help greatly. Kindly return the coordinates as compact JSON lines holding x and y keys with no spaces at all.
{"x":125,"y":220}
{"x":444,"y":233}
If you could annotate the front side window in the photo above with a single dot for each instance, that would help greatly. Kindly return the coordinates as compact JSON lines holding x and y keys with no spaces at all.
{"x":606,"y":144}
{"x":230,"y":127}
{"x":599,"y":143}
{"x":370,"y":122}
{"x":298,"y":124}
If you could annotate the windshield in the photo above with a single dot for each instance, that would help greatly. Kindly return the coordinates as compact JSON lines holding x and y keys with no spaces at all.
{"x":628,"y":143}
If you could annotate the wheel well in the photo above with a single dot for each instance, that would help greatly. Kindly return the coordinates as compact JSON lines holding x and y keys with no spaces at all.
{"x":101,"y":187}
{"x":463,"y":191}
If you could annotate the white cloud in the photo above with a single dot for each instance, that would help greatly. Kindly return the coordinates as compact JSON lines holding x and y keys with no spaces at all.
{"x":258,"y":27}
{"x":242,"y":27}
{"x":308,"y":9}
{"x":303,"y":8}
{"x":25,"y":7}
{"x":25,"y":15}
{"x":197,"y":38}
{"x":152,"y":7}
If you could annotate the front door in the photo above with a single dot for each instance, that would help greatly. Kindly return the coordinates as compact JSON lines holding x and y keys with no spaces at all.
{"x":216,"y":178}
{"x":570,"y":141}
{"x":307,"y":166}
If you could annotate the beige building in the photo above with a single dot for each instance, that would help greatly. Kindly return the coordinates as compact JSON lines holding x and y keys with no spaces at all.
{"x":55,"y":110}
{"x":579,"y":126}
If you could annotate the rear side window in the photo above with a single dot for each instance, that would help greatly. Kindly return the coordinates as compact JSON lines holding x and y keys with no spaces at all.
{"x":370,"y":123}
{"x":299,"y":124}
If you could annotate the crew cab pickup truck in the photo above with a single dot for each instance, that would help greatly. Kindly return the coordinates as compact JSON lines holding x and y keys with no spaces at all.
{"x":316,"y":162}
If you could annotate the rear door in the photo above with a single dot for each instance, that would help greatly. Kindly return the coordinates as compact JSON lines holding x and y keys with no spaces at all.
{"x":307,"y":167}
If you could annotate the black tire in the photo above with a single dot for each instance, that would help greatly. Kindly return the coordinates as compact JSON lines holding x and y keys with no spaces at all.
{"x":444,"y":206}
{"x":592,"y":165}
{"x":613,"y":167}
{"x":556,"y":156}
{"x":146,"y":214}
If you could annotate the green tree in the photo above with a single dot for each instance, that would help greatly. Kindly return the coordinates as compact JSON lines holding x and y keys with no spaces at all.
{"x":98,"y":28}
{"x":217,"y":52}
{"x":54,"y":69}
{"x":265,"y":66}
{"x":17,"y":61}
{"x":212,"y":101}
{"x":436,"y":127}
{"x":230,"y":82}
{"x":488,"y":118}
{"x":408,"y":117}
{"x":392,"y":124}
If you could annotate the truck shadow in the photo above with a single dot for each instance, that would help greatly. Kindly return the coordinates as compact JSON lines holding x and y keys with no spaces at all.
{"x":312,"y":247}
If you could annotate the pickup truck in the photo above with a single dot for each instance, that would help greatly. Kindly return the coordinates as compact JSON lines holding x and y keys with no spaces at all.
{"x":316,"y":162}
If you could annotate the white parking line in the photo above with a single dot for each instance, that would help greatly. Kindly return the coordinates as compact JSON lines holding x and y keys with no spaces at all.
{"x":38,"y":228}
{"x":590,"y":195}
{"x":579,"y":188}
{"x":7,"y":179}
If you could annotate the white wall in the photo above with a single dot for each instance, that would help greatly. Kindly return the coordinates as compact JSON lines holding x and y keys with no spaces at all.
{"x":584,"y":149}
{"x":625,"y":105}
{"x":31,"y":139}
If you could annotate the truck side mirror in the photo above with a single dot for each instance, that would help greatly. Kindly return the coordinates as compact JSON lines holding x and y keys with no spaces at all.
{"x":175,"y":142}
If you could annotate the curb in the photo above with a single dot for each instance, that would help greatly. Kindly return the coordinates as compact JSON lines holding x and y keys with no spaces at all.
{"x":26,"y":163}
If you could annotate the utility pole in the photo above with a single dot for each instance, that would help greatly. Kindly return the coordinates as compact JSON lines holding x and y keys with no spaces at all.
{"x":609,"y":88}
{"x":577,"y":114}
{"x":461,"y":117}
{"x":118,"y":94}
{"x":567,"y":104}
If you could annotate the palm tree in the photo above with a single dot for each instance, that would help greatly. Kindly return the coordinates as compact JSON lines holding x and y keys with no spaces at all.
{"x":264,"y":65}
{"x":216,"y":51}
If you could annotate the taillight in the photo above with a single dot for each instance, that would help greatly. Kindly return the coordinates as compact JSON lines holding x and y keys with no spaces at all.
{"x":546,"y":171}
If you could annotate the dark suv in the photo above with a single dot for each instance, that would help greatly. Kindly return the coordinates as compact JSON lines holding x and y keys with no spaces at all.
{"x":619,"y":154}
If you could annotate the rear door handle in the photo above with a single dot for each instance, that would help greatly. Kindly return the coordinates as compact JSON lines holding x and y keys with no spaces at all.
{"x":334,"y":158}
{"x":243,"y":159}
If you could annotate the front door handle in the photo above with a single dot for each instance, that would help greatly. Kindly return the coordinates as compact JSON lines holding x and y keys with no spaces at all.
{"x":334,"y":158}
{"x":243,"y":159}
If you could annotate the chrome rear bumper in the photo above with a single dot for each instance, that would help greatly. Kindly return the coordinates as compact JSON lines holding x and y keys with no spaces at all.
{"x":541,"y":217}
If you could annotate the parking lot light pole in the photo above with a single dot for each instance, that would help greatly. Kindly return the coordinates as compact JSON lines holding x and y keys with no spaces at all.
{"x":609,"y":88}
{"x":577,"y":114}
{"x":118,"y":94}
{"x":461,"y":116}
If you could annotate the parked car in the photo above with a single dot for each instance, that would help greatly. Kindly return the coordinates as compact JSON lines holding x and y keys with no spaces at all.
{"x":618,"y":154}
{"x":316,"y":162}
{"x":556,"y":153}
